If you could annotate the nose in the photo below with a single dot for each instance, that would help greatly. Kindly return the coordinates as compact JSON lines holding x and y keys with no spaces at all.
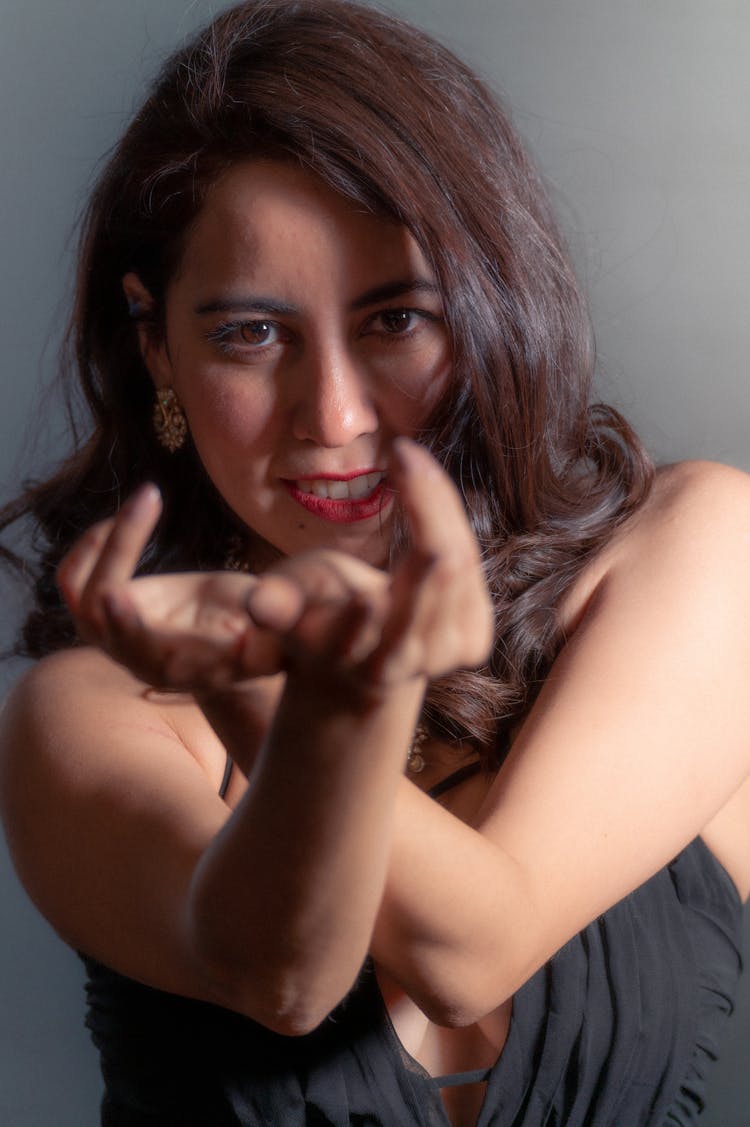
{"x":332,"y":399}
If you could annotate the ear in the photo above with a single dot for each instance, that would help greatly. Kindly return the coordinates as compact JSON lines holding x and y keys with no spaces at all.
{"x":153,"y":348}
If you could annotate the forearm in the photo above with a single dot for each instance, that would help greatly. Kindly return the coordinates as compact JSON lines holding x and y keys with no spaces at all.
{"x":456,"y":923}
{"x":283,"y":902}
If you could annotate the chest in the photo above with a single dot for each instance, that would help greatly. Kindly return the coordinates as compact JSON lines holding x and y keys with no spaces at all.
{"x":442,"y":1051}
{"x":437,"y":1048}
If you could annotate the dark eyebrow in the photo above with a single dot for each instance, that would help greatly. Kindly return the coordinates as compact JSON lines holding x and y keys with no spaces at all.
{"x":390,"y":290}
{"x":254,"y":303}
{"x":247,"y":304}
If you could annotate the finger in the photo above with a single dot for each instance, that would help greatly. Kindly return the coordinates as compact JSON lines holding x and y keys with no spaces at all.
{"x":435,"y":510}
{"x":189,"y":661}
{"x":261,"y":654}
{"x":280,"y":595}
{"x":323,"y":604}
{"x":117,"y":557}
{"x":128,"y":536}
{"x":441,"y":622}
{"x":74,"y":570}
{"x":128,"y":640}
{"x":441,"y":615}
{"x":340,"y":636}
{"x":276,"y":602}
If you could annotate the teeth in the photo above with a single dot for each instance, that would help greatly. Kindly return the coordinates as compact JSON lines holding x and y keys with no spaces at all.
{"x":338,"y":490}
{"x":364,"y":485}
{"x":353,"y":490}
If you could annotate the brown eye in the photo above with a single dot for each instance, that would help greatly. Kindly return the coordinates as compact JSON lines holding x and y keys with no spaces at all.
{"x":256,"y":332}
{"x":396,"y":320}
{"x":246,"y":340}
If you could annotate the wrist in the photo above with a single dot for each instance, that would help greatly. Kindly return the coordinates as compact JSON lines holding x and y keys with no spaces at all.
{"x":333,"y":691}
{"x":325,"y":723}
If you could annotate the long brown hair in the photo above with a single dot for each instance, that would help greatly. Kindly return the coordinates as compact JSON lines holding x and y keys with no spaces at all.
{"x":390,"y":118}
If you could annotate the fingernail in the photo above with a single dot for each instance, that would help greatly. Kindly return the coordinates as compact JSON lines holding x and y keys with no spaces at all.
{"x":143,"y":500}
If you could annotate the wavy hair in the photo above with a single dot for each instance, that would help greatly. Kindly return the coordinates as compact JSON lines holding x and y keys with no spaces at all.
{"x":391,"y":119}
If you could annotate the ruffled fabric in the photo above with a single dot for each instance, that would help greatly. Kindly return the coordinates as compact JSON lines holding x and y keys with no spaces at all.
{"x":619,"y":1029}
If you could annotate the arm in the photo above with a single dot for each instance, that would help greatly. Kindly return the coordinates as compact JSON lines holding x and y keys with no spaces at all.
{"x":609,"y":777}
{"x":640,"y":735}
{"x":181,"y":896}
{"x":304,"y":859}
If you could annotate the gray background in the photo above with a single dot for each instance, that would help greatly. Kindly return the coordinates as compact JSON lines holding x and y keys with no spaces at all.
{"x":638,"y":113}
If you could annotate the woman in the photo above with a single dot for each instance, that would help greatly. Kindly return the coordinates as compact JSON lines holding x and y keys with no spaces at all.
{"x":396,"y":803}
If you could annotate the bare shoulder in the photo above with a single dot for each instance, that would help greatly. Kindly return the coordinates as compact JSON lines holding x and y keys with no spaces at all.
{"x":80,"y":734}
{"x":689,"y":543}
{"x":74,"y":678}
{"x":72,"y":697}
{"x":693,"y":527}
{"x":75,"y":688}
{"x":692,"y":499}
{"x":684,"y":561}
{"x":695,"y":521}
{"x":96,"y":782}
{"x":68,"y":681}
{"x":641,"y":731}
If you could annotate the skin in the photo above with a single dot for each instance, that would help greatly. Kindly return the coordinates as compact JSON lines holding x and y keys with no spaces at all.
{"x":312,"y":675}
{"x":324,"y":374}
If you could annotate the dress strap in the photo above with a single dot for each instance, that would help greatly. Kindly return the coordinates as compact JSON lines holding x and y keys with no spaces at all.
{"x":465,"y":772}
{"x":227,"y":776}
{"x":454,"y":1079}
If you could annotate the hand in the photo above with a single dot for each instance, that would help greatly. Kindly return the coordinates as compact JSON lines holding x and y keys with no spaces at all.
{"x":432,"y":615}
{"x":321,"y":609}
{"x":179,"y":631}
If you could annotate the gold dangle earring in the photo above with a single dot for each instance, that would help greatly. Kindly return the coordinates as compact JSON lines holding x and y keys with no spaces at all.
{"x":169,"y":420}
{"x":415,"y":760}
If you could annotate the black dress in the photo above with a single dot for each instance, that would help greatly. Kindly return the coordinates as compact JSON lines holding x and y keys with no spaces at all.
{"x":619,"y":1029}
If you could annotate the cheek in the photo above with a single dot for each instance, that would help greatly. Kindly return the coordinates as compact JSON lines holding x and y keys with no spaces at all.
{"x":413,"y":391}
{"x":229,"y":417}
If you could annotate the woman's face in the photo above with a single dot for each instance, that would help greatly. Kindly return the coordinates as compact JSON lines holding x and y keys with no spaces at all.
{"x":302,"y":334}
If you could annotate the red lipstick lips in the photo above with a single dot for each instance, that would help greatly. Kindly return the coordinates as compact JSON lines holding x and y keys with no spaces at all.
{"x":353,"y":502}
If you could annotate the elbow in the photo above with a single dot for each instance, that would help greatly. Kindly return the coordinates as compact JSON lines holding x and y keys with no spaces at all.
{"x":461,"y":994}
{"x":278,"y":1002}
{"x":278,"y":977}
{"x":456,"y":1012}
{"x":288,"y":1017}
{"x":294,"y":1004}
{"x":285,"y":996}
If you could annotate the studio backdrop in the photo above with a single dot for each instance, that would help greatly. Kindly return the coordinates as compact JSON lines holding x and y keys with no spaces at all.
{"x":638,"y":115}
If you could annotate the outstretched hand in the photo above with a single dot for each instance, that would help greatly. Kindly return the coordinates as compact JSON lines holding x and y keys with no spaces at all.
{"x":202,"y":631}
